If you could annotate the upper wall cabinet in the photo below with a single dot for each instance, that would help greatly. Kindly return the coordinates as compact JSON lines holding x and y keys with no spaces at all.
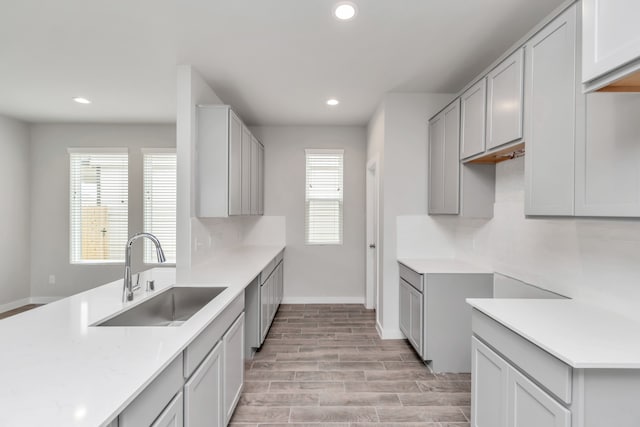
{"x":226,"y":177}
{"x":444,"y":161}
{"x":551,"y":85}
{"x":608,"y":157}
{"x":505,"y":106}
{"x":611,"y":45}
{"x":473,"y":105}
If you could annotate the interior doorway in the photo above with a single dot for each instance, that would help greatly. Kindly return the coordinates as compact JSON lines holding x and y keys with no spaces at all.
{"x":373,"y":251}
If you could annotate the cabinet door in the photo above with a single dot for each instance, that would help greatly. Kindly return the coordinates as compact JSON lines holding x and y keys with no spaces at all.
{"x":529,"y":406}
{"x":608,"y":158}
{"x":417,"y":323}
{"x":264,"y":309}
{"x":610,"y":36}
{"x":203,"y":393}
{"x":405,"y":308}
{"x":246,"y":171}
{"x":235,"y":165}
{"x":551,"y":86}
{"x":436,"y":165}
{"x":260,"y":179}
{"x":489,"y":387}
{"x":444,"y":161}
{"x":504,"y":106}
{"x":473,"y":106}
{"x":233,"y":366}
{"x":173,"y":414}
{"x":254,"y":176}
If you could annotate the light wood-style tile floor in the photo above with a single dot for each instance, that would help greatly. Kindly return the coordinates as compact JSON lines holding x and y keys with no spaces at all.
{"x":325,"y":365}
{"x":18,"y":310}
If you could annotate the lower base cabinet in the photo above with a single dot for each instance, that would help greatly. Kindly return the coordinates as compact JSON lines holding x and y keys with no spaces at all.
{"x":271,"y":293}
{"x":515,"y":383}
{"x":202,"y":385}
{"x":203,"y":393}
{"x":173,"y":415}
{"x":233,"y":342}
{"x":489,"y":378}
{"x":503,"y":397}
{"x":530,"y":406}
{"x":435,"y":318}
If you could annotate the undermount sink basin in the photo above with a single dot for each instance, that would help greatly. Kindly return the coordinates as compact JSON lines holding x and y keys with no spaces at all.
{"x":170,"y":308}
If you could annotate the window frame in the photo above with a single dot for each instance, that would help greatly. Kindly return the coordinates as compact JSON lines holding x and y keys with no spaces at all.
{"x":307,"y":241}
{"x":71,"y":246}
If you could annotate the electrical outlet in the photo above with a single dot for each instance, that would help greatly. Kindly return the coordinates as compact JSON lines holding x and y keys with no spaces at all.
{"x":52,"y":279}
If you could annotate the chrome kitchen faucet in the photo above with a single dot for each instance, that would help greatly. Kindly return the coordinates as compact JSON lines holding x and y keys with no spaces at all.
{"x":127,"y":288}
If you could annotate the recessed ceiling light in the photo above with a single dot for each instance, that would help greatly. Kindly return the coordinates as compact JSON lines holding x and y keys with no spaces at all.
{"x":81,"y":100}
{"x":333,"y":102}
{"x":345,"y":10}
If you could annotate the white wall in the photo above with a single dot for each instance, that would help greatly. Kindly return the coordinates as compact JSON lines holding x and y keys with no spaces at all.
{"x":317,"y":273}
{"x":49,"y":176}
{"x":593,"y":260}
{"x":14,"y":211}
{"x":402,"y":119}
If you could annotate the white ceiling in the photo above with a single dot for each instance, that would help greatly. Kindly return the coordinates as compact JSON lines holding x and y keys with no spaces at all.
{"x":275,"y":61}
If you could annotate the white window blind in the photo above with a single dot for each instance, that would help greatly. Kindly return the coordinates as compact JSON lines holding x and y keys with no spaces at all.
{"x":99,"y":205}
{"x":160,"y":203}
{"x":324,"y":197}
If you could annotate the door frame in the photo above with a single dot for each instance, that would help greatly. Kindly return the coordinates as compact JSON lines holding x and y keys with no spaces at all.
{"x":372,"y":287}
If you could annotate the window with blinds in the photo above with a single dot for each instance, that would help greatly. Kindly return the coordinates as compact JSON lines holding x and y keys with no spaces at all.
{"x":160,"y":203}
{"x":324,"y":197}
{"x":99,"y":205}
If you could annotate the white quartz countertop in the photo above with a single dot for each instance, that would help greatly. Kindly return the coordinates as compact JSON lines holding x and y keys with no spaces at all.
{"x":581,"y":335}
{"x":58,"y":370}
{"x":435,"y":266}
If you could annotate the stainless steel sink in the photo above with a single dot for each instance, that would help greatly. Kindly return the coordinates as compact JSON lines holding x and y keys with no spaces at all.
{"x":170,"y":308}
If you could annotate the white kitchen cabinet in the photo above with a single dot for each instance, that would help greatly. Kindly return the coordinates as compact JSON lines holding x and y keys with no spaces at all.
{"x":260,"y":179}
{"x":405,"y":307}
{"x":173,"y":414}
{"x":501,"y":396}
{"x":233,"y":341}
{"x":608,"y":158}
{"x":416,"y":328}
{"x":203,"y":393}
{"x":153,"y":400}
{"x":224,"y":164}
{"x":505,"y":101}
{"x":473,"y":106}
{"x":265,"y":290}
{"x":552,"y":89}
{"x":434,"y":315}
{"x":444,"y":161}
{"x":246,"y":171}
{"x":255,"y":174}
{"x":235,"y":165}
{"x":530,"y":406}
{"x":610,"y":41}
{"x":490,"y":384}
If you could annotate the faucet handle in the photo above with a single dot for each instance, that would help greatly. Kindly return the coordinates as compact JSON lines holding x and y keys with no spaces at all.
{"x":151,"y":285}
{"x":137,"y":285}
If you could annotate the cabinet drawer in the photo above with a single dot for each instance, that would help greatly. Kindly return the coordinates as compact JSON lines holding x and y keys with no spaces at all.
{"x":153,"y":399}
{"x":548,"y":371}
{"x":411,"y":277}
{"x":195,"y":353}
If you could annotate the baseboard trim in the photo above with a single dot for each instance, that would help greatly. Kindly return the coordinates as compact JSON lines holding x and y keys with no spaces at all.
{"x":389,"y":334}
{"x":323,"y":300}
